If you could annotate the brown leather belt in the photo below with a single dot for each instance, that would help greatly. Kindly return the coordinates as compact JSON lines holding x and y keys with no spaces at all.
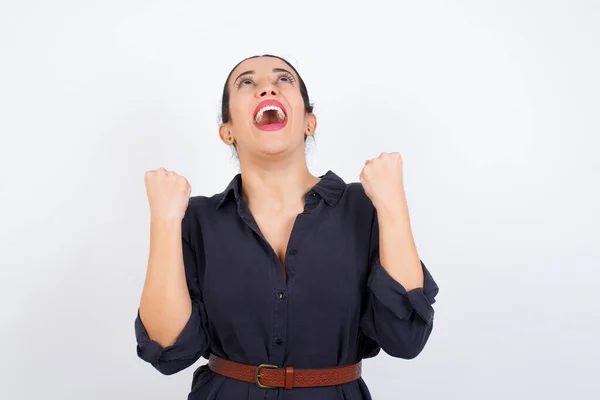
{"x":271,"y":376}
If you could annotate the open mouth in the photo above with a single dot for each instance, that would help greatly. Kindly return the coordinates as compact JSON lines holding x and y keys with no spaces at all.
{"x":270,"y":115}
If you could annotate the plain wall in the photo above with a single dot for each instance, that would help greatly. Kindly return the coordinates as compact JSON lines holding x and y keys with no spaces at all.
{"x":493,"y":105}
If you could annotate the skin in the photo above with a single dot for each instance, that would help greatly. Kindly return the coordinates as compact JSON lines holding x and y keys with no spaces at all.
{"x":272,"y":163}
{"x":276,"y":176}
{"x":275,"y":180}
{"x":165,"y":304}
{"x":382,"y":179}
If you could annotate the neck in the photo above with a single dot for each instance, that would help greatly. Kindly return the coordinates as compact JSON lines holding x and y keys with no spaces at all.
{"x":276,"y":185}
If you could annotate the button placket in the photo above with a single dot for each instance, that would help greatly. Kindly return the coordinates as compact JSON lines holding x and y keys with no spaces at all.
{"x":279,"y":332}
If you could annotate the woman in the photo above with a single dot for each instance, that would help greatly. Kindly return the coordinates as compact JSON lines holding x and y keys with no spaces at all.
{"x":285,"y":281}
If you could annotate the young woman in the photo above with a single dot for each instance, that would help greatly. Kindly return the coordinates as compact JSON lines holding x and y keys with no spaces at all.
{"x":285,"y":281}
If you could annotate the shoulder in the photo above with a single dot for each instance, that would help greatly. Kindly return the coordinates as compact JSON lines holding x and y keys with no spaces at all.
{"x":356,"y":190}
{"x":336,"y":190}
{"x":355,"y":205}
{"x":355,"y":212}
{"x":204,"y":208}
{"x":355,"y":195}
{"x":202,"y":203}
{"x":199,"y":207}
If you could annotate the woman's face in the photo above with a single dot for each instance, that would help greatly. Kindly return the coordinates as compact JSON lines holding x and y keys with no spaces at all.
{"x":266,"y":108}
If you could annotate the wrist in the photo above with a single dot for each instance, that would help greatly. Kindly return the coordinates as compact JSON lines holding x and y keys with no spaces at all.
{"x":397,"y":206}
{"x":165,"y":221}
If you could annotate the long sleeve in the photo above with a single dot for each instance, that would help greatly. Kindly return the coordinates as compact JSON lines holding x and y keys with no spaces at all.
{"x":193,"y":340}
{"x":399,"y":321}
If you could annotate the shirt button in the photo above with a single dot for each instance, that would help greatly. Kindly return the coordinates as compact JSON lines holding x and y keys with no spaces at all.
{"x":279,"y":341}
{"x":312,"y":194}
{"x":293,"y":252}
{"x":282,"y":295}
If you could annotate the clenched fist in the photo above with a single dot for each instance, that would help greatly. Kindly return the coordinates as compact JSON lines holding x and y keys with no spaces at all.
{"x":382,"y":180}
{"x":168,"y":194}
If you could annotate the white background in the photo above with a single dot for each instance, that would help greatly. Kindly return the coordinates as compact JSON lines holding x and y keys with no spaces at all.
{"x":494,"y":106}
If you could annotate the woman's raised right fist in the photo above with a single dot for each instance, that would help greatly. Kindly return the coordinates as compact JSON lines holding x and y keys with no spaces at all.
{"x":168,"y":194}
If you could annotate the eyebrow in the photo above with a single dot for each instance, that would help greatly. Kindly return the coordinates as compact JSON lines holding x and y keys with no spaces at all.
{"x":282,"y":70}
{"x":244,"y":73}
{"x":253,"y":72}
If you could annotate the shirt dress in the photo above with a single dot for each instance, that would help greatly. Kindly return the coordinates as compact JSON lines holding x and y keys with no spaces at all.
{"x":337,"y":306}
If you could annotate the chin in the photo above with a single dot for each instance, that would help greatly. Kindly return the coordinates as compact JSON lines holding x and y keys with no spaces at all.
{"x":274,"y":148}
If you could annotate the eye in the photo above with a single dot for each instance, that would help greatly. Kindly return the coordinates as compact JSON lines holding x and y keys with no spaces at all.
{"x":244,"y":82}
{"x":285,"y":78}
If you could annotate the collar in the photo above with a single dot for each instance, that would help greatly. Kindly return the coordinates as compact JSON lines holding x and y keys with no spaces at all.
{"x":330,"y":188}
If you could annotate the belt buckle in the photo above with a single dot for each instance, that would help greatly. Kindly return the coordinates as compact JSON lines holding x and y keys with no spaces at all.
{"x":257,"y":375}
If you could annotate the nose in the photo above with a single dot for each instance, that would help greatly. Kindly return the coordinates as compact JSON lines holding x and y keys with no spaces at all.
{"x":267,"y":89}
{"x":272,"y":92}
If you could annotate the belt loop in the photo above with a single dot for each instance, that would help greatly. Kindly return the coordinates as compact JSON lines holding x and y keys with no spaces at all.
{"x":289,"y":377}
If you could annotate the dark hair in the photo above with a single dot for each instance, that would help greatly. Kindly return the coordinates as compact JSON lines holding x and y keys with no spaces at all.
{"x":225,"y":100}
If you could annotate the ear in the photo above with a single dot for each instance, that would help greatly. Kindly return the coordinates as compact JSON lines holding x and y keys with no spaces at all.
{"x":311,"y":124}
{"x":225,"y":134}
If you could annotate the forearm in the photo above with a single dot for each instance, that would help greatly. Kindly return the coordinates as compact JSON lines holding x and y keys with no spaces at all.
{"x":165,"y":306}
{"x":397,"y":249}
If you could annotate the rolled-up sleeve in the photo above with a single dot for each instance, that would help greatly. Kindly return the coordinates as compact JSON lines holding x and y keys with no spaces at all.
{"x":192,"y":341}
{"x":399,"y":321}
{"x":187,"y":349}
{"x":391,"y":294}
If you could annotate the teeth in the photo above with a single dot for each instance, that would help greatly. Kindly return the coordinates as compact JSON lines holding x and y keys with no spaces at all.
{"x":260,"y":113}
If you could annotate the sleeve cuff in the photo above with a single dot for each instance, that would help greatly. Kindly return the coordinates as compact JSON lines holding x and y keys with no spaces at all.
{"x":395,"y":297}
{"x":151,"y":351}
